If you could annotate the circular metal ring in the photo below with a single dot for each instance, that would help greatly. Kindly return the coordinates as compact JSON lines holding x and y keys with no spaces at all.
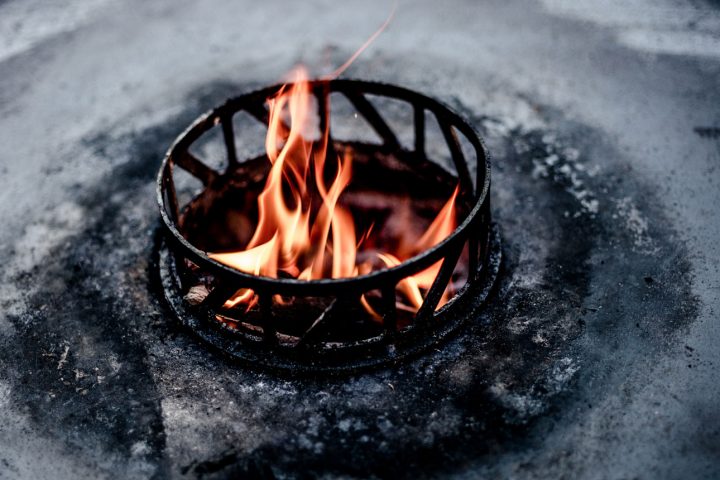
{"x":475,"y":233}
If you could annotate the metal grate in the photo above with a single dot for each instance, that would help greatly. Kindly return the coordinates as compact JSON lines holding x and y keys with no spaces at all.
{"x":262,"y":339}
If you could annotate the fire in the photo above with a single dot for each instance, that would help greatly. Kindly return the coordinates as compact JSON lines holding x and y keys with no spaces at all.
{"x":293,"y":236}
{"x":303,"y":231}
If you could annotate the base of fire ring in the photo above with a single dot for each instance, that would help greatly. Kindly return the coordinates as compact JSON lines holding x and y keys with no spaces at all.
{"x":328,"y":359}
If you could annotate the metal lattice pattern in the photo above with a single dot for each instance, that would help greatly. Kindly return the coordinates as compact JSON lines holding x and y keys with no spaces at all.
{"x":311,"y":348}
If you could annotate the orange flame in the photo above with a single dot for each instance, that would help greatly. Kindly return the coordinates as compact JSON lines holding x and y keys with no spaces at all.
{"x":409,"y":287}
{"x":285,"y":239}
{"x":303,"y":231}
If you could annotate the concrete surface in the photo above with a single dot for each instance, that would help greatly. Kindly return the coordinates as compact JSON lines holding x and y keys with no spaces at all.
{"x":615,"y":376}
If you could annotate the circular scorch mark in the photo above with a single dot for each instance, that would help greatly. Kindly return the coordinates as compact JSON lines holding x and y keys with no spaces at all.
{"x":580,"y":290}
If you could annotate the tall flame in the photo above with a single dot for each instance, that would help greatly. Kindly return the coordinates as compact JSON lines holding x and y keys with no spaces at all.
{"x":303,"y":231}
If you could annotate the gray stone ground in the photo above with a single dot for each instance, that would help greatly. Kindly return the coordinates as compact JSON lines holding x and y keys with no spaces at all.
{"x":607,"y":111}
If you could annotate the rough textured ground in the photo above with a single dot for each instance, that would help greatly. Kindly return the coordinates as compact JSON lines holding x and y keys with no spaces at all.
{"x":598,"y":358}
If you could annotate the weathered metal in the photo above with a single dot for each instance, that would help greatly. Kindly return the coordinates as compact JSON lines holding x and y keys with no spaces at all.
{"x":309,"y":351}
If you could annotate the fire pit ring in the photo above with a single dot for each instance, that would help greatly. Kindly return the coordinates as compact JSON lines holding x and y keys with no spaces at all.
{"x":313,"y":350}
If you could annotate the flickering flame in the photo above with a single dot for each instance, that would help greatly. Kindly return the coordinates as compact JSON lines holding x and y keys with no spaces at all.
{"x":409,"y":287}
{"x":303,"y":231}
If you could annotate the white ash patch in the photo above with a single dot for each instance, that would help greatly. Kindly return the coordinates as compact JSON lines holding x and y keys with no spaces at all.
{"x":530,"y":275}
{"x":140,"y":448}
{"x":504,"y":109}
{"x":539,"y":338}
{"x":636,"y":224}
{"x":344,"y":425}
{"x":563,"y":164}
{"x":270,"y":389}
{"x":461,"y":374}
{"x":351,"y":424}
{"x":115,"y":365}
{"x":561,"y":374}
{"x":63,"y":358}
{"x":524,"y":405}
{"x":509,"y":115}
{"x":366,"y":386}
{"x":521,"y":119}
{"x":520,"y":325}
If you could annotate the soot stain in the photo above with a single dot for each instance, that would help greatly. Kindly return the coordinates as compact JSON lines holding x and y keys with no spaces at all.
{"x":81,"y":365}
{"x":507,"y":378}
{"x":79,"y":362}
